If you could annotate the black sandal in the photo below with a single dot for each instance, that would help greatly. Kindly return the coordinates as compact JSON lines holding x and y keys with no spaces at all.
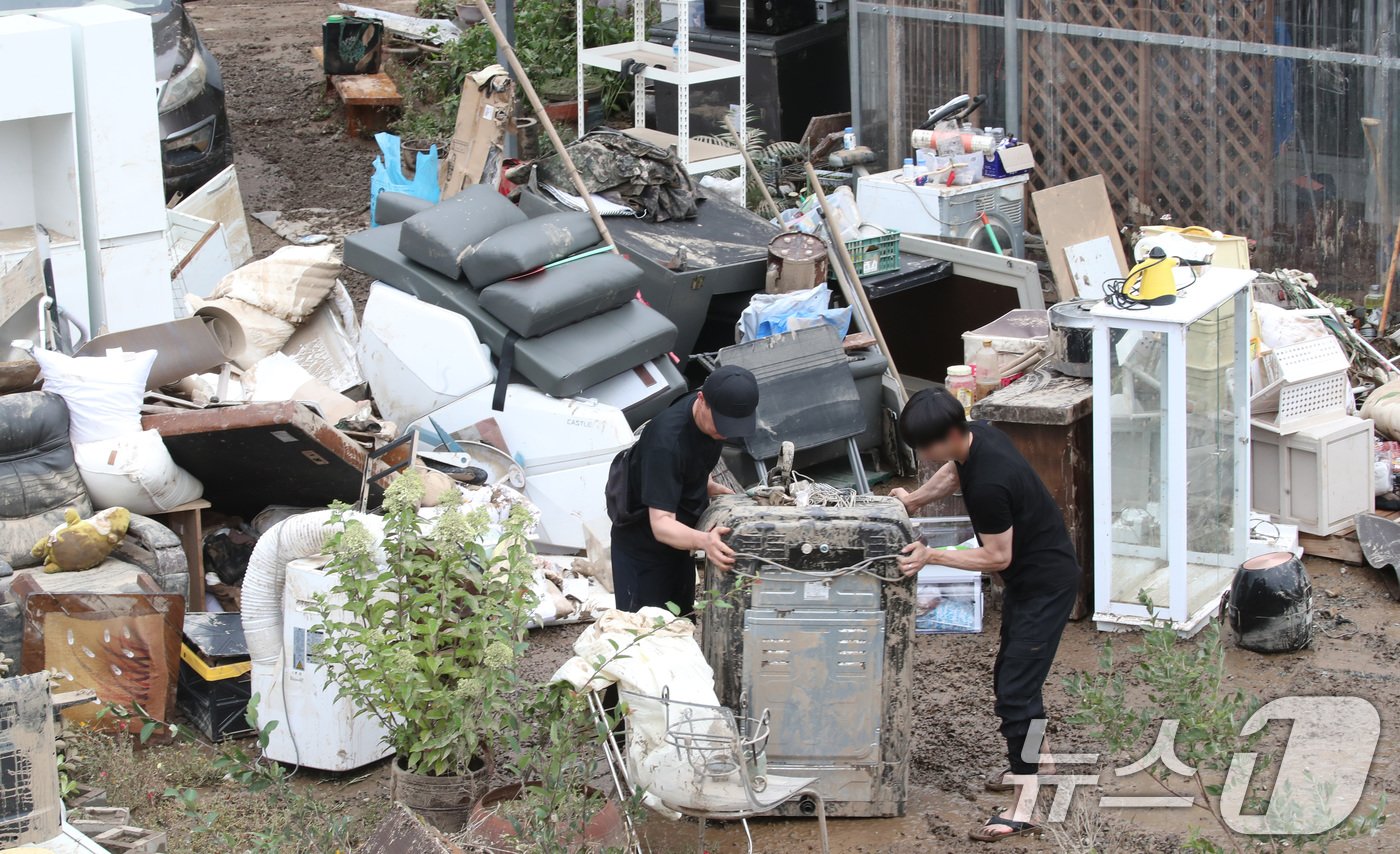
{"x":1018,"y":828}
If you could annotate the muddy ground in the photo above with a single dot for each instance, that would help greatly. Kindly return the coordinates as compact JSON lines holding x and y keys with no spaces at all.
{"x":292,"y":154}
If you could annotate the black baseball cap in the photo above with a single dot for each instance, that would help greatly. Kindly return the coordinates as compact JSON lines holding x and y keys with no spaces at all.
{"x":732,"y":393}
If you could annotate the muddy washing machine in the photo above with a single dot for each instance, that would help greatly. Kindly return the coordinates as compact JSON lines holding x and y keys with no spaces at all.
{"x":819,"y":635}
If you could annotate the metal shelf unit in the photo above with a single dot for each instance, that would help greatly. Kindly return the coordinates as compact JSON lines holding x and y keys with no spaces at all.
{"x":681,"y":68}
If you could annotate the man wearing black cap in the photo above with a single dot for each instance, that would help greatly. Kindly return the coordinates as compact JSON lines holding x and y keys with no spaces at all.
{"x":668,"y":486}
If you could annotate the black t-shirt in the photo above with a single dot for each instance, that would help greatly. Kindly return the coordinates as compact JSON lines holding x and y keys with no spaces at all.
{"x":669,"y":469}
{"x":1002,"y":491}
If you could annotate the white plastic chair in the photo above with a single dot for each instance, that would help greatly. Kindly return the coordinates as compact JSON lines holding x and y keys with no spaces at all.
{"x":718,"y":770}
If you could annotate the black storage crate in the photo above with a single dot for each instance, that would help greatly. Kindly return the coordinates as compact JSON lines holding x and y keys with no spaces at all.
{"x":215,"y":682}
{"x":792,"y":78}
{"x":773,"y":17}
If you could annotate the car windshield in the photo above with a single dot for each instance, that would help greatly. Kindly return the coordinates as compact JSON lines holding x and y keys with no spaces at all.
{"x":133,"y":5}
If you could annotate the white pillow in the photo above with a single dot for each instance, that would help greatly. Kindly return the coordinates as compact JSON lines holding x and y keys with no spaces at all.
{"x":103,"y":393}
{"x":135,"y":472}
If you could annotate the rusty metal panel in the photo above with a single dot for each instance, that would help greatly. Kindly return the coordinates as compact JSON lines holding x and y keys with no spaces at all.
{"x":256,"y":454}
{"x":819,"y":673}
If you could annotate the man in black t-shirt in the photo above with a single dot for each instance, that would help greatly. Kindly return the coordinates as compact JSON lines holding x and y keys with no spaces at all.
{"x":668,"y":488}
{"x":1022,"y":537}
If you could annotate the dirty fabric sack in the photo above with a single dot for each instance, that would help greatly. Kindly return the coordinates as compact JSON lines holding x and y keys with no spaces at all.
{"x":442,"y":237}
{"x":628,"y":171}
{"x":136,"y":472}
{"x":528,"y":246}
{"x":563,"y":295}
{"x":289,"y":284}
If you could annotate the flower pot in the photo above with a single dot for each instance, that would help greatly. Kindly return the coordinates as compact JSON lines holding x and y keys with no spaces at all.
{"x":444,"y":801}
{"x":604,"y":829}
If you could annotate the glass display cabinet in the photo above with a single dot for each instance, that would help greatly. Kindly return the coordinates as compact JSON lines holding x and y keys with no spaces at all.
{"x":1171,"y":453}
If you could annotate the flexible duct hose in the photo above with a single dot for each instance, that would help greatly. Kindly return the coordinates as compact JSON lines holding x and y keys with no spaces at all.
{"x":292,"y":538}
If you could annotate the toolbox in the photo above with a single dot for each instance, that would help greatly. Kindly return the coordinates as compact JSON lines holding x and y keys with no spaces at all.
{"x":215,"y":675}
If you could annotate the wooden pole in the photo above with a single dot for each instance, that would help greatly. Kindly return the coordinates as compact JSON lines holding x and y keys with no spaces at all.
{"x":504,"y":46}
{"x":753,"y":170}
{"x":1389,"y":281}
{"x":849,"y":281}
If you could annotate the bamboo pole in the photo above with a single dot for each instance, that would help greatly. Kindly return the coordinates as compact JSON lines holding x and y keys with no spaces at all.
{"x":753,"y":170}
{"x":1389,"y":282}
{"x":508,"y":50}
{"x":849,"y":281}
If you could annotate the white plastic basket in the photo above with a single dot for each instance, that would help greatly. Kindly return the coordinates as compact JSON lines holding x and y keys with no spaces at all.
{"x":1303,"y":361}
{"x":1300,"y":401}
{"x":1302,"y":380}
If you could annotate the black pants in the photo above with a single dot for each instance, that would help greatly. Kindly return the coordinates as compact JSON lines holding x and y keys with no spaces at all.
{"x":651,"y":573}
{"x":1031,"y":624}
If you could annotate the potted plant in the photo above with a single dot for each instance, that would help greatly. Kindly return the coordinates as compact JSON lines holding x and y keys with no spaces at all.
{"x":423,"y":630}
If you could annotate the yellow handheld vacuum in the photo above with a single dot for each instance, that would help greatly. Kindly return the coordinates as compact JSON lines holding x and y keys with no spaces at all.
{"x":1152,"y":281}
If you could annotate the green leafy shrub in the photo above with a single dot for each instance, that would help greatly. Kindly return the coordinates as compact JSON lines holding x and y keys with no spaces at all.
{"x":428,"y":626}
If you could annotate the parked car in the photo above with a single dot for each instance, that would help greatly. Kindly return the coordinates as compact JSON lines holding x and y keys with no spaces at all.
{"x":195,"y":140}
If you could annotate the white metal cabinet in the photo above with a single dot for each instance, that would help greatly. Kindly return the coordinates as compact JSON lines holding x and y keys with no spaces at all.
{"x":114,"y":84}
{"x":1171,"y":460}
{"x":1315,"y":476}
{"x":118,"y":146}
{"x":38,"y":154}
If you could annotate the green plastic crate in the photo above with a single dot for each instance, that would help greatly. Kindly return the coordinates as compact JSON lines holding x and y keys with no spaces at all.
{"x":874,"y":255}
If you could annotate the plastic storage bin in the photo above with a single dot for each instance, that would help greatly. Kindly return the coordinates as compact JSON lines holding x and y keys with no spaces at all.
{"x":947,"y":601}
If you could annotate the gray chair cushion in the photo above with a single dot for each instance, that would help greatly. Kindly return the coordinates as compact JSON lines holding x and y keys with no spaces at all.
{"x":528,"y":246}
{"x":563,"y":295}
{"x":560,"y":364}
{"x":442,"y":236}
{"x":390,"y":208}
{"x":38,"y":478}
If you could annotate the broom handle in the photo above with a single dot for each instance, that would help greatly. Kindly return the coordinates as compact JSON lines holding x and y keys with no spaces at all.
{"x":851,"y":287}
{"x":1389,"y":281}
{"x":534,"y":99}
{"x":753,"y":170}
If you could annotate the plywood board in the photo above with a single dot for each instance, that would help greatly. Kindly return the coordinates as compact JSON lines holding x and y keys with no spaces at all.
{"x":1074,"y":213}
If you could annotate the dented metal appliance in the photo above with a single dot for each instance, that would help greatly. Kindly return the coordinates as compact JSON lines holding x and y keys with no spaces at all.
{"x":819,"y":635}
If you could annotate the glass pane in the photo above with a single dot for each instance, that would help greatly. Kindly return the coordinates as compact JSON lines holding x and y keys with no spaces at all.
{"x":1138,"y":378}
{"x":1210,"y":455}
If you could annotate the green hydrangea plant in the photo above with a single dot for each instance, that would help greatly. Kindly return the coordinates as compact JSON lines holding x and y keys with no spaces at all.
{"x":425,"y":625}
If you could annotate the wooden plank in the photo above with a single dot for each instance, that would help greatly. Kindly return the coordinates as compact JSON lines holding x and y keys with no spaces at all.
{"x":1073,"y":213}
{"x":367,"y":90}
{"x":1336,"y":547}
{"x":1040,"y":397}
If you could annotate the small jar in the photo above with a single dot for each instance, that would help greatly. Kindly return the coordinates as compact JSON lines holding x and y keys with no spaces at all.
{"x":962,"y":385}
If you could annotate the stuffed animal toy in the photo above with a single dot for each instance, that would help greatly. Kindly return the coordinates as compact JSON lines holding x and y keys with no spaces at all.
{"x":80,"y":544}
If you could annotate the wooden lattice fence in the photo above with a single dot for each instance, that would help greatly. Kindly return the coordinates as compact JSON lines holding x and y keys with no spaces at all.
{"x":1173,"y":130}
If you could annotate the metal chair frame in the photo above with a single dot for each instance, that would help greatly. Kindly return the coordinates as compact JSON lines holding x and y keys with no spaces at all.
{"x":739,"y":748}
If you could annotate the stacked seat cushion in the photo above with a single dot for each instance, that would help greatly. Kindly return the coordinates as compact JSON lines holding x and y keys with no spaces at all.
{"x":526,"y":246}
{"x":561,"y":363}
{"x":441,"y":237}
{"x":563,"y":295}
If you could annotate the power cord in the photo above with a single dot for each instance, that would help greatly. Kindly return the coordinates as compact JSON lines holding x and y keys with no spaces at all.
{"x":862,"y":567}
{"x":1115,"y":290}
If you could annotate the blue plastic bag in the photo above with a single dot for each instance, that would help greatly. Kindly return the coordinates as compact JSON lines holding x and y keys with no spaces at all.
{"x":774,"y":314}
{"x":388,"y":173}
